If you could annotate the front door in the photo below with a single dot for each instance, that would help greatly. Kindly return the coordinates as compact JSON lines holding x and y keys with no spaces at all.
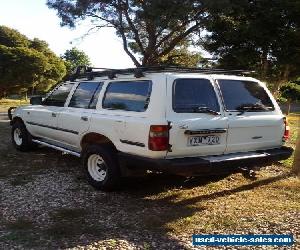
{"x":42,"y":120}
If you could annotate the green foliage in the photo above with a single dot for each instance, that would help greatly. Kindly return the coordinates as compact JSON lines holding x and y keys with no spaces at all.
{"x":181,"y":57}
{"x":291,"y":92}
{"x":149,"y":29}
{"x":74,"y":58}
{"x":12,"y":38}
{"x":26,"y":64}
{"x":260,"y":35}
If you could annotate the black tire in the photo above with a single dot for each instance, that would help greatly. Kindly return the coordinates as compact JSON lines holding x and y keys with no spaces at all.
{"x":9,"y":112}
{"x":111,"y":166}
{"x":25,"y":144}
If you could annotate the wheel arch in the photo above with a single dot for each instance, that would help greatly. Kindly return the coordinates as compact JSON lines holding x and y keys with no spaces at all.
{"x":96,"y":138}
{"x":16,"y":119}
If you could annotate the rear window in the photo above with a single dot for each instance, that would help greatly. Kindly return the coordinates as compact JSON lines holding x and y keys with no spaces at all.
{"x":245,"y":95}
{"x":128,"y":95}
{"x":194,"y":95}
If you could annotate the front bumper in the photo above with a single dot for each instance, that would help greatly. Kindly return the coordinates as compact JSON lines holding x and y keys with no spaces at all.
{"x":213,"y":165}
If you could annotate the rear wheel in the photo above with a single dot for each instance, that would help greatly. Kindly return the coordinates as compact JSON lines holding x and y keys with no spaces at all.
{"x":21,"y":138}
{"x":101,"y":167}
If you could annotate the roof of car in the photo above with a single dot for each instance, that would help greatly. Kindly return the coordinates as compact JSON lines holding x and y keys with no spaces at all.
{"x":83,"y":72}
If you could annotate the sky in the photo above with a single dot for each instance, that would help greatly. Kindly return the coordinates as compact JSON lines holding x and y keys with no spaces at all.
{"x":34,"y":19}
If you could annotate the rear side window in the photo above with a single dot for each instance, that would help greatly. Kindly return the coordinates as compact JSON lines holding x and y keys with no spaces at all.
{"x":129,"y":95}
{"x":194,"y":95}
{"x":58,"y":96}
{"x":245,"y":95}
{"x":86,"y":95}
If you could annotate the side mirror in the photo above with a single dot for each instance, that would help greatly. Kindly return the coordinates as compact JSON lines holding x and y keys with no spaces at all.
{"x":36,"y":100}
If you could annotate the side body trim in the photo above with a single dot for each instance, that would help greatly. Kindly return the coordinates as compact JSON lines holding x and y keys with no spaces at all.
{"x":55,"y":128}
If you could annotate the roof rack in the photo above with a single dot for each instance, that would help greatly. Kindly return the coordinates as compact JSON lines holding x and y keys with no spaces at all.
{"x":91,"y":72}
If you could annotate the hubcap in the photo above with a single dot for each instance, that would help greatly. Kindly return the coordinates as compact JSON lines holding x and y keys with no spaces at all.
{"x":97,"y":167}
{"x":18,"y":137}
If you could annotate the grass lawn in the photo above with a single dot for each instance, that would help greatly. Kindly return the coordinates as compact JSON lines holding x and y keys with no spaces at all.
{"x":7,"y":103}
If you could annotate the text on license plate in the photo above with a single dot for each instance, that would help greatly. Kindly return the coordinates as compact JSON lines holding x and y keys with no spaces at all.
{"x":204,"y":139}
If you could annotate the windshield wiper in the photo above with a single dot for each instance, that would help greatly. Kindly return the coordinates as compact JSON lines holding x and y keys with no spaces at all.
{"x":205,"y":110}
{"x":197,"y":109}
{"x":252,"y":107}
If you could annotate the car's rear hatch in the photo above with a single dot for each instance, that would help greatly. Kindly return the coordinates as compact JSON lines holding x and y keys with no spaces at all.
{"x":220,"y":115}
{"x":254,"y":119}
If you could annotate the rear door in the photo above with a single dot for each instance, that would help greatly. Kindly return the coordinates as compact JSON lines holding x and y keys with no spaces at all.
{"x":198,"y":124}
{"x":254,"y":118}
{"x":127,"y":102}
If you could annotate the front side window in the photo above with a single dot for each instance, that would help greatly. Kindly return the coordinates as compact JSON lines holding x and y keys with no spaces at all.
{"x":129,"y":96}
{"x":194,"y":96}
{"x":59,"y":95}
{"x":245,"y":95}
{"x":86,"y":95}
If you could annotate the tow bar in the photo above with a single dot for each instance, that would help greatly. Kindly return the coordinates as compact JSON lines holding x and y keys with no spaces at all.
{"x":248,"y":173}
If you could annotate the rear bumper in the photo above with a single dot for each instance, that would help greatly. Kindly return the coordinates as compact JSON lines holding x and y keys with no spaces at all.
{"x":213,"y":165}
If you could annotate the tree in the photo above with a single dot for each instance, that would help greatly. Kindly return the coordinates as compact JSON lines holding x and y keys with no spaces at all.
{"x":20,"y":68}
{"x":150,"y":29}
{"x":12,"y":38}
{"x":290,"y":92}
{"x":260,"y":35}
{"x":181,"y":56}
{"x":74,"y":58}
{"x":26,"y":64}
{"x":296,"y":164}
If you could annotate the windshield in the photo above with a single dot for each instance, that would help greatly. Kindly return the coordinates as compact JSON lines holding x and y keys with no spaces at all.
{"x":245,"y":96}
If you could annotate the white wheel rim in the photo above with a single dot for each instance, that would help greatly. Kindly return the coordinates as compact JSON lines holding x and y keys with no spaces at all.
{"x":18,"y":136}
{"x":97,"y":167}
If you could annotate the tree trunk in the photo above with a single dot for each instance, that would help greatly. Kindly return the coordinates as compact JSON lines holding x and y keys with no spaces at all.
{"x":296,"y":164}
{"x":264,"y":64}
{"x":289,"y":107}
{"x":284,"y":79}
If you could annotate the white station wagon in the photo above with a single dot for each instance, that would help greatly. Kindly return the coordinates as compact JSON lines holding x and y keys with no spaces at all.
{"x":178,"y":120}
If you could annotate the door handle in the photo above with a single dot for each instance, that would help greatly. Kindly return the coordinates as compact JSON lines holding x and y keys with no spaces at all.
{"x":84,"y":118}
{"x":53,"y":114}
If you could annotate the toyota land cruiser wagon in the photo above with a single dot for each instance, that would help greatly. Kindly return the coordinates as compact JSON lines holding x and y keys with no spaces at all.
{"x":177,"y":120}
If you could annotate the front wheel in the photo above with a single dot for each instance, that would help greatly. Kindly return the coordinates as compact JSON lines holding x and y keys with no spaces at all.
{"x":21,"y":138}
{"x":101,"y":167}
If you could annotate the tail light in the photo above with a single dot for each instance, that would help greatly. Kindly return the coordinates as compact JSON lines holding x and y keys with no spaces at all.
{"x":286,"y":134}
{"x":158,"y":137}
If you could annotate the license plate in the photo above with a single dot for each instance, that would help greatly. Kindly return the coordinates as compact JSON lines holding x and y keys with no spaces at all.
{"x":203,"y":140}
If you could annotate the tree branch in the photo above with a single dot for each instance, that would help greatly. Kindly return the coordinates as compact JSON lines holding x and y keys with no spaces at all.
{"x":178,"y":39}
{"x":90,"y":14}
{"x":119,"y":27}
{"x":133,"y":28}
{"x":164,"y":39}
{"x":125,"y":45}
